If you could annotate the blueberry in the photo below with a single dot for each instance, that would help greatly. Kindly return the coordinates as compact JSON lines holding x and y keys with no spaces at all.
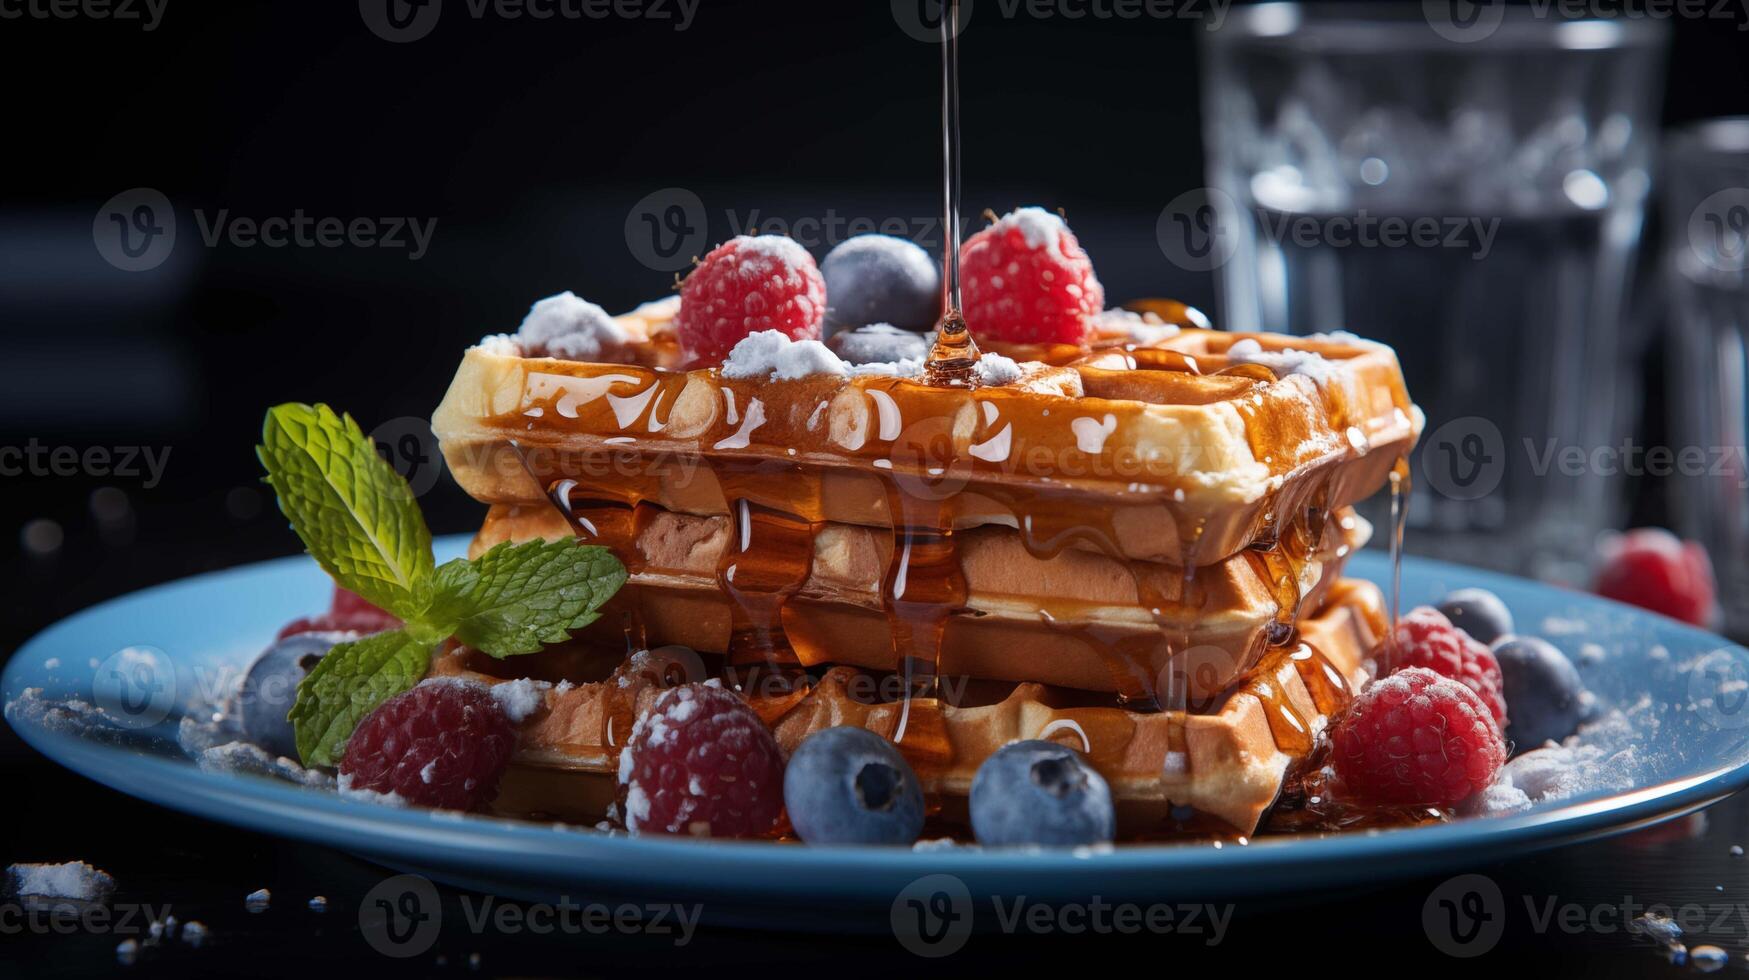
{"x":1545,"y":699}
{"x":1477,"y":612}
{"x":272,"y":685}
{"x":878,"y":343}
{"x":848,"y":785}
{"x":1037,"y":792}
{"x":880,"y":279}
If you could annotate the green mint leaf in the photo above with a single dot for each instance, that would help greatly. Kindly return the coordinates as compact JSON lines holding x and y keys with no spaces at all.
{"x":356,"y":515}
{"x":517,"y":598}
{"x":348,"y":684}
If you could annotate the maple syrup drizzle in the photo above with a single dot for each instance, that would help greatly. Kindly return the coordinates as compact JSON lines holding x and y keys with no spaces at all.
{"x":1399,"y":523}
{"x":955,"y":355}
{"x":769,"y":557}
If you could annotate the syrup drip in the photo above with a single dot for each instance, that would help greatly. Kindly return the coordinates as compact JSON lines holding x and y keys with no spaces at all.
{"x":769,"y":558}
{"x":1399,"y":522}
{"x":955,"y":354}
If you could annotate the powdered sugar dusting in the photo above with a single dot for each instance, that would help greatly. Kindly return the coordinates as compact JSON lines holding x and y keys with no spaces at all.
{"x":344,"y":785}
{"x":520,"y":698}
{"x":73,"y":881}
{"x":772,"y":355}
{"x":1284,"y":362}
{"x":995,"y":370}
{"x":1039,"y":227}
{"x":773,"y":249}
{"x":569,"y":327}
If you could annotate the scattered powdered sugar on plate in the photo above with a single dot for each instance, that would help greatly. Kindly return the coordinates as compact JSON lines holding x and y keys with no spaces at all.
{"x":72,"y":881}
{"x":569,"y":327}
{"x":1603,"y":756}
{"x":233,"y":757}
{"x":351,"y":792}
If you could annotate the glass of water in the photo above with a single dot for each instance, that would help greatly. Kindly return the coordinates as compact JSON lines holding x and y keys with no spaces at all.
{"x":1706,"y":269}
{"x":1466,"y":183}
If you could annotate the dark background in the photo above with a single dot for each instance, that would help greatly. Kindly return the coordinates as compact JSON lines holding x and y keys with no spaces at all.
{"x":528,"y":142}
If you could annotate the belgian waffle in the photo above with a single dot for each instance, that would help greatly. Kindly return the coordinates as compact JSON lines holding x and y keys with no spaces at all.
{"x":1171,"y":450}
{"x":1073,"y":619}
{"x":1228,"y":763}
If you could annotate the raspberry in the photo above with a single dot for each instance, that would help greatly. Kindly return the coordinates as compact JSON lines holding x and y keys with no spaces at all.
{"x":1026,"y":280}
{"x":349,"y":613}
{"x":1651,"y":568}
{"x":745,"y":285}
{"x":1425,"y":638}
{"x":443,"y":744}
{"x":1416,"y":739}
{"x":701,"y":762}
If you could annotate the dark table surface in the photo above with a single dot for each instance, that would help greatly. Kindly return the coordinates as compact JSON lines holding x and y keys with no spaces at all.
{"x":1565,"y":912}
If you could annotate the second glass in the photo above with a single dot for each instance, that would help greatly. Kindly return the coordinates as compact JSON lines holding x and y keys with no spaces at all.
{"x":1471,"y":194}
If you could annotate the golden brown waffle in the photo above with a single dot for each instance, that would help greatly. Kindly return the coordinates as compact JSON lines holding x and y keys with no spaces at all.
{"x":1229,"y":763}
{"x":1170,"y":451}
{"x":1074,"y":619}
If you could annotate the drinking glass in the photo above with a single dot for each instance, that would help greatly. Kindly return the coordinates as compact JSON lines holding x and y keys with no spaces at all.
{"x":1471,"y":192}
{"x":1706,"y":270}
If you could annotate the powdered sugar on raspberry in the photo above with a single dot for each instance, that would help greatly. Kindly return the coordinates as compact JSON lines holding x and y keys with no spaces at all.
{"x":700,"y":762}
{"x":569,"y":327}
{"x":1039,"y":227}
{"x":762,"y":254}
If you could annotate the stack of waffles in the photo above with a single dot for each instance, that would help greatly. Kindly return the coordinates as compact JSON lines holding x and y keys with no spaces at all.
{"x":1135,"y":549}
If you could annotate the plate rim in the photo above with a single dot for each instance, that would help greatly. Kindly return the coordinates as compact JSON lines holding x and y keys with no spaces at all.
{"x":759,"y":867}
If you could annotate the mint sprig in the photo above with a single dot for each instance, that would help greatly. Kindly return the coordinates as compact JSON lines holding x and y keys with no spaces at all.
{"x":358,"y":518}
{"x":517,"y":598}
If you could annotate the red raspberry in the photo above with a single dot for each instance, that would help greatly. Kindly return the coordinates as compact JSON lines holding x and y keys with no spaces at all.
{"x":1425,"y":638}
{"x":442,"y":744}
{"x":745,"y":285}
{"x":1026,"y":280}
{"x":349,"y":613}
{"x":1651,"y":568}
{"x":1416,"y":739}
{"x":701,"y":762}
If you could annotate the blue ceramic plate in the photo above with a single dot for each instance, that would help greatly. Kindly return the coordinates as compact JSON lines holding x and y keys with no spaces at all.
{"x":1687,"y":746}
